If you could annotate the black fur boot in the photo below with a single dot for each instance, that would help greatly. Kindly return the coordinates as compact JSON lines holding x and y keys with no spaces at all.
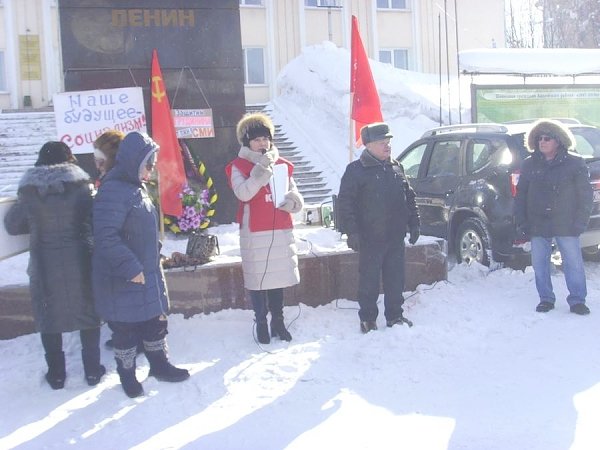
{"x":278,"y":329}
{"x":94,"y":371}
{"x":160,"y":367}
{"x":262,"y":332}
{"x":56,"y":370}
{"x":90,"y":355}
{"x":126,"y":369}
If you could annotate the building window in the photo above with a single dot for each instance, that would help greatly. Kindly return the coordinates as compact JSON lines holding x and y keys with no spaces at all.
{"x":317,"y":3}
{"x":254,"y":66}
{"x":391,"y":4}
{"x":397,"y":57}
{"x":251,"y":2}
{"x":3,"y":86}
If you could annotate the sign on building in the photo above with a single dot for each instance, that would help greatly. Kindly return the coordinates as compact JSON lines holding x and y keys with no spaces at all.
{"x":193,"y":123}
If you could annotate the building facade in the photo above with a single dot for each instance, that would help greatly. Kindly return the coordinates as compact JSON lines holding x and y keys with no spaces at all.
{"x":418,"y":35}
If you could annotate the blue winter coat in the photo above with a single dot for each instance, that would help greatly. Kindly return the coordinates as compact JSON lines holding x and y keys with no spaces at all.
{"x":126,"y":243}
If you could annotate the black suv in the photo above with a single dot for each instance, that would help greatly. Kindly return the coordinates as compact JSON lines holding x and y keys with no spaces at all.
{"x":465,"y":179}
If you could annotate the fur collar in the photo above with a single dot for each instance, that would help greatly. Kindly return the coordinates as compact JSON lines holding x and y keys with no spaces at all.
{"x":253,"y":157}
{"x":368,"y":160}
{"x":51,"y":178}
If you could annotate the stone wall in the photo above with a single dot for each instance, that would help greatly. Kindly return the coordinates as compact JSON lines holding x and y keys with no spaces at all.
{"x":214,"y":287}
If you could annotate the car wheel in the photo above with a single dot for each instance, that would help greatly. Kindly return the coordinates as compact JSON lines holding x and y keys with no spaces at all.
{"x":473,"y":242}
{"x":591,"y":253}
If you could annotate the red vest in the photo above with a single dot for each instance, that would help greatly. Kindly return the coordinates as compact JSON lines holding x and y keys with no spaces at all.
{"x":263,"y":215}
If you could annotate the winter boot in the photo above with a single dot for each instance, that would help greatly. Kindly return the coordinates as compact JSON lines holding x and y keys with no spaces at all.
{"x":276,"y":307}
{"x":259,"y":304}
{"x":92,"y":368}
{"x":126,"y":369}
{"x":90,"y":355}
{"x":262,"y":332}
{"x":278,"y":329}
{"x":56,"y":370}
{"x":160,"y":367}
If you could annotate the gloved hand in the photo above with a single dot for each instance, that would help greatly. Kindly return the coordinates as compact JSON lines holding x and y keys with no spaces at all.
{"x":261,"y":174}
{"x":353,"y":241}
{"x":292,"y":204}
{"x":523,"y":231}
{"x":267,"y":159}
{"x":414,"y":235}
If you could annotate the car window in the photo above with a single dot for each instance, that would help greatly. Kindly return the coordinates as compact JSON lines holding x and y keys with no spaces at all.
{"x":587,"y":141}
{"x":411,"y":160}
{"x":445,"y":159}
{"x":478,"y":155}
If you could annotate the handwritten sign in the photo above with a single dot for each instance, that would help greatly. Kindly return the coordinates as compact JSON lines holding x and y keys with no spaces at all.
{"x":84,"y":115}
{"x":193,"y":123}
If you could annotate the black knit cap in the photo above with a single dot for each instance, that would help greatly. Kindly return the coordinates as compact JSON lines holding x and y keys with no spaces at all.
{"x":54,"y":152}
{"x":256,"y":131}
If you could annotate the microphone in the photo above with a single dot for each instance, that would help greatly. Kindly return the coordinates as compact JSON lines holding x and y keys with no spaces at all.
{"x":263,"y":151}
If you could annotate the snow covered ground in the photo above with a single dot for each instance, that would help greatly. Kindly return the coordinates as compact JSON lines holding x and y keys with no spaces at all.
{"x":480,"y":370}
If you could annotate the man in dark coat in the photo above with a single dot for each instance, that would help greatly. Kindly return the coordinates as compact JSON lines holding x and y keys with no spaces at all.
{"x":553,"y":203}
{"x":129,"y":284}
{"x":376,"y":207}
{"x":54,"y":206}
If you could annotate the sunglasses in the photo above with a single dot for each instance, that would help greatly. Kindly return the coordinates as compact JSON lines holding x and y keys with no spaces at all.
{"x":545,"y":138}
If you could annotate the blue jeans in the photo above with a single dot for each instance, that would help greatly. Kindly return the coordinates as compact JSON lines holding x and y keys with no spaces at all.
{"x":572,"y":261}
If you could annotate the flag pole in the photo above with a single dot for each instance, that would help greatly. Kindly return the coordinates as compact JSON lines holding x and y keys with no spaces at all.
{"x":351,"y":129}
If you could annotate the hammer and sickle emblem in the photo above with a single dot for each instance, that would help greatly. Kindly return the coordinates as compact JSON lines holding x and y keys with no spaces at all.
{"x":156,"y":92}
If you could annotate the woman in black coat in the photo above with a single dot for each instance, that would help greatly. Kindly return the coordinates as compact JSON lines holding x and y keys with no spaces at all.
{"x":54,"y":206}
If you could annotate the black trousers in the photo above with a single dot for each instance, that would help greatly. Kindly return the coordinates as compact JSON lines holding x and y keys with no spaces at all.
{"x":377,"y":261}
{"x":90,"y":340}
{"x":126,"y":335}
{"x":267,"y":300}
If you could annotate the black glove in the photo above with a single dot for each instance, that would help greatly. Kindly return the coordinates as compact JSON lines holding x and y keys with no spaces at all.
{"x":414,"y":235}
{"x":353,"y":241}
{"x":523,"y":231}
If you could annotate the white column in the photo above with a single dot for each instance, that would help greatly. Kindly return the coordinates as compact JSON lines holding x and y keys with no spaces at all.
{"x":12,"y":49}
{"x":271,"y":56}
{"x":52,"y":58}
{"x":416,"y":31}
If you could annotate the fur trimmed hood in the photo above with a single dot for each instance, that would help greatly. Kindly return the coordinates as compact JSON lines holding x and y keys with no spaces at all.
{"x":253,"y":121}
{"x":52,"y":178}
{"x":552,"y":128}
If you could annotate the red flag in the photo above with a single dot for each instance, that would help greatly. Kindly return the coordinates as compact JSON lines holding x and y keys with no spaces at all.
{"x":366,"y":107}
{"x":171,"y":175}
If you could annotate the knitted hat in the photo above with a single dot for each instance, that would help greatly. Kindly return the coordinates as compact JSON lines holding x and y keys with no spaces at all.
{"x":252,"y":126}
{"x":54,"y":152}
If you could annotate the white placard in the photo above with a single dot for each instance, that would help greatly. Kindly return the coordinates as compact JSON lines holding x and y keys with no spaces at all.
{"x":279,"y":183}
{"x":10,"y":245}
{"x":82,"y":116}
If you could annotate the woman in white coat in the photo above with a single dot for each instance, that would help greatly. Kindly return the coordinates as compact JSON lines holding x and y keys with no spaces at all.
{"x":267,"y":246}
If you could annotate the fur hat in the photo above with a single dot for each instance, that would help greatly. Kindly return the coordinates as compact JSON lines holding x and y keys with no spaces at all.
{"x":551,"y":128}
{"x":254,"y":125}
{"x":108,"y":144}
{"x":377,"y":131}
{"x":55,"y":152}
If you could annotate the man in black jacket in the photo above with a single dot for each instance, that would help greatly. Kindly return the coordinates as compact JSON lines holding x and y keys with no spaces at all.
{"x":376,"y":207}
{"x":553,"y":203}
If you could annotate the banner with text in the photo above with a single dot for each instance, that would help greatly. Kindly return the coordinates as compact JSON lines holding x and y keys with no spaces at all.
{"x":193,"y":123}
{"x":503,"y":103}
{"x":84,"y":115}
